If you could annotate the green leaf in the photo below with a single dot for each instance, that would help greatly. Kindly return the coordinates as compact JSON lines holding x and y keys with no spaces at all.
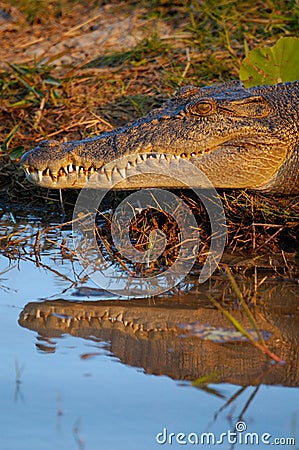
{"x":9,"y":138}
{"x":16,"y":152}
{"x":271,"y":65}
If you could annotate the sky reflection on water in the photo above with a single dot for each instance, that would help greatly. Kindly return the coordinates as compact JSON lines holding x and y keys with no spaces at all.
{"x":65,"y":402}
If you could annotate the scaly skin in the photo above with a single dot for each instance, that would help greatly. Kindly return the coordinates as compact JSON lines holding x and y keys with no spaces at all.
{"x":239,"y":138}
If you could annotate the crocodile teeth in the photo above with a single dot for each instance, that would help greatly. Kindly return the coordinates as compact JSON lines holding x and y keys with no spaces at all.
{"x":115,"y":171}
{"x":139,"y":159}
{"x":77,"y":169}
{"x":129,"y":165}
{"x":40,"y":175}
{"x":108,"y":173}
{"x":70,"y":168}
{"x":105,"y":316}
{"x":122,"y":172}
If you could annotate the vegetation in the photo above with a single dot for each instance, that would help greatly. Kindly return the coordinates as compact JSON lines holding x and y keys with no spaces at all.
{"x":49,"y":92}
{"x":270,"y":65}
{"x":203,"y":42}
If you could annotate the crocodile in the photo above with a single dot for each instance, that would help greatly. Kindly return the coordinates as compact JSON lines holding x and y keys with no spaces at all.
{"x":183,"y":339}
{"x":238,"y":137}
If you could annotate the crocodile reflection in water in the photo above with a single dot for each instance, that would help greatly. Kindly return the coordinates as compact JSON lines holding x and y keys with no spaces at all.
{"x":179,"y":339}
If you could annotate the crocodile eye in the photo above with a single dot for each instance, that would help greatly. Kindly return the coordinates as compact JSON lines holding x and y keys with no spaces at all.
{"x":201,"y":108}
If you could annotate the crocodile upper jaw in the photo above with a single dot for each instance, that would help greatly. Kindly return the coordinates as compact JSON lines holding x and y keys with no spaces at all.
{"x":239,"y":138}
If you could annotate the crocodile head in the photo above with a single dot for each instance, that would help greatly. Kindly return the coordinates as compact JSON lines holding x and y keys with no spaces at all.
{"x":238,"y":137}
{"x":186,"y":339}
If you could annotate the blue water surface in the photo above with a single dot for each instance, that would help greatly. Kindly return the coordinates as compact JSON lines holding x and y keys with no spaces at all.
{"x":58,"y":399}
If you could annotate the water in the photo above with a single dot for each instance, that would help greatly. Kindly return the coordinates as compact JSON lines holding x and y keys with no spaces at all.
{"x":75,"y":385}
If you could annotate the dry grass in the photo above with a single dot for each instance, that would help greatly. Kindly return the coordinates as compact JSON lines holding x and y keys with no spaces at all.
{"x":70,"y":94}
{"x":45,"y":96}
